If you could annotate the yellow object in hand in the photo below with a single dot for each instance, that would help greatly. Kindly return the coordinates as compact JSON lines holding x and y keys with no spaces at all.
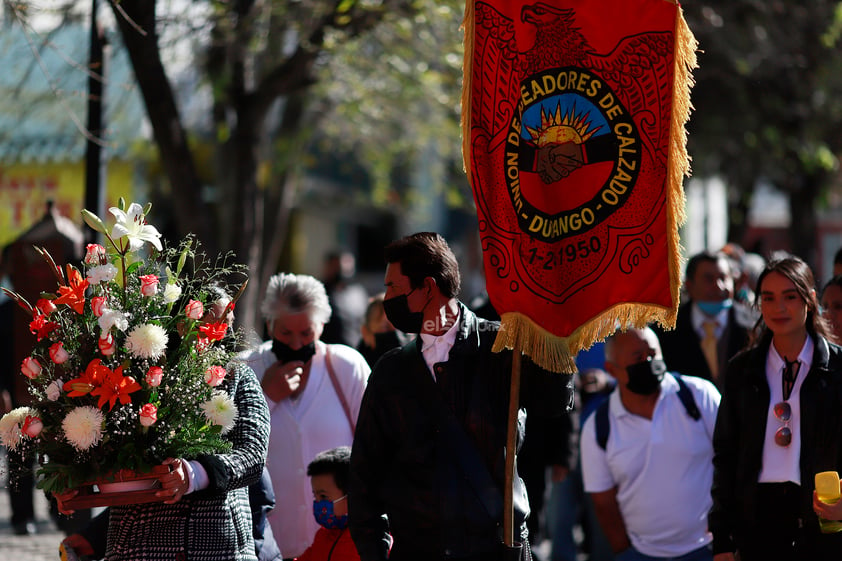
{"x":827,"y":486}
{"x":827,"y":490}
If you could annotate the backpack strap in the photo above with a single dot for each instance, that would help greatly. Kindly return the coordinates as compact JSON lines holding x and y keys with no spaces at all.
{"x":603,"y":422}
{"x":686,"y":397}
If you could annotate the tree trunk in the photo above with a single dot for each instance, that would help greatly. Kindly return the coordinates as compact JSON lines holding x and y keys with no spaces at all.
{"x":803,"y":225}
{"x":248,"y":206}
{"x":136,"y":20}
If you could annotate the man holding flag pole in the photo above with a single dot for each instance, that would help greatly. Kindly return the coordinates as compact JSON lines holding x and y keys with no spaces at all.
{"x":429,"y":449}
{"x":573,"y":136}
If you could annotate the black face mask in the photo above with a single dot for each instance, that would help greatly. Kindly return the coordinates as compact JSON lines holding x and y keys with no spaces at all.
{"x":645,"y":377}
{"x":397,"y":310}
{"x":286,"y":354}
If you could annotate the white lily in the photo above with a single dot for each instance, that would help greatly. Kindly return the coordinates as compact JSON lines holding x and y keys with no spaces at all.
{"x":132,"y":224}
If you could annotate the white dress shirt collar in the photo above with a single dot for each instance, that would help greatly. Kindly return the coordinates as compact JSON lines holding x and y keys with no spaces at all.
{"x":436,"y":348}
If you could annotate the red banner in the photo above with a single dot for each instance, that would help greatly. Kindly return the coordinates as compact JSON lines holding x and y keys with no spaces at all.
{"x":573,"y":124}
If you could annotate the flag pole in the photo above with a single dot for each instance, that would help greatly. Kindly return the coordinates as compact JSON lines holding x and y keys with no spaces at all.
{"x":511,"y":446}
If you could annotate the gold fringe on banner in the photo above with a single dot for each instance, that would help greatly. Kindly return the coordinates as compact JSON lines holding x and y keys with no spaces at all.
{"x":678,"y":161}
{"x":558,"y":354}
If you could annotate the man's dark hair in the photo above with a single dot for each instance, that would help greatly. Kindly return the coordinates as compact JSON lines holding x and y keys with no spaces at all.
{"x":703,"y":257}
{"x":426,"y":254}
{"x":336,"y":462}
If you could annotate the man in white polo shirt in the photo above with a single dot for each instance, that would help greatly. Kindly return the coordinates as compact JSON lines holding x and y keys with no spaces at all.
{"x":647,"y":455}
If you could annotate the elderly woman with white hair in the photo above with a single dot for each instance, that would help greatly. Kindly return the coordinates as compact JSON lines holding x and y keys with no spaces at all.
{"x":314,"y":392}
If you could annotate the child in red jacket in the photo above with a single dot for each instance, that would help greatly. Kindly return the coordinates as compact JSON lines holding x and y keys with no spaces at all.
{"x":329,"y":478}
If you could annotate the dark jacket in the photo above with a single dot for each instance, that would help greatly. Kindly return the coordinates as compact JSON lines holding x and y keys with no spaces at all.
{"x":262,"y":501}
{"x":403,"y":462}
{"x":740,"y":432}
{"x":682,"y":347}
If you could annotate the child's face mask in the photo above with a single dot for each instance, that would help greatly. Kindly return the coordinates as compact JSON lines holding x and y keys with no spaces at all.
{"x":323,"y":511}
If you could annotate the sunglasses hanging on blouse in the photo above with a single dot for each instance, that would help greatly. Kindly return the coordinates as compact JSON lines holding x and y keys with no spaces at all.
{"x":783,"y":410}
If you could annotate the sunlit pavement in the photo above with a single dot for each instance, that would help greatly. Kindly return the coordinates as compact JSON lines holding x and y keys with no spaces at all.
{"x":41,"y":546}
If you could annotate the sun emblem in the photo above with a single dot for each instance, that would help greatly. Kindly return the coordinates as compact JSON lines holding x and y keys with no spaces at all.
{"x":557,"y":128}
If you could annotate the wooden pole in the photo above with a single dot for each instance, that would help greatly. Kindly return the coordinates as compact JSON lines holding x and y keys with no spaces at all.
{"x":511,"y":446}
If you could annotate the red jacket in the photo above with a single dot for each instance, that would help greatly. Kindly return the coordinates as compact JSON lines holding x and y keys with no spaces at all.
{"x":331,"y":545}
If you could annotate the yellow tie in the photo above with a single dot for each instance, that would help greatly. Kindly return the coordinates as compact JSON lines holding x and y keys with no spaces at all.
{"x":709,"y":347}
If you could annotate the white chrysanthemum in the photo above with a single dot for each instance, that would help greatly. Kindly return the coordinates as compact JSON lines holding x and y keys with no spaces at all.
{"x":221,"y":410}
{"x":83,"y":427}
{"x":102,"y":273}
{"x":172,"y":292}
{"x":147,"y":341}
{"x":54,"y":390}
{"x":112,"y":318}
{"x":10,"y":424}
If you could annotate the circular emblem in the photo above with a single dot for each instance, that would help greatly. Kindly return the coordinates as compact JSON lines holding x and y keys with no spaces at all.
{"x":573,"y":153}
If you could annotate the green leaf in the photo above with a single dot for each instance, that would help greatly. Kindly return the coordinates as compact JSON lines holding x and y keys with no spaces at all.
{"x":134,"y":267}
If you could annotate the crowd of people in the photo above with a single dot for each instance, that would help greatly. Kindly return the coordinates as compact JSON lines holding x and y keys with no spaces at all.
{"x":375,"y":428}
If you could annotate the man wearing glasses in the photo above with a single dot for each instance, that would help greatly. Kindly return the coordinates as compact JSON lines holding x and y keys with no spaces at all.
{"x":647,"y":455}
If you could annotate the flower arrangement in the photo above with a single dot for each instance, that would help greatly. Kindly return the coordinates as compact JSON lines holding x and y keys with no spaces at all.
{"x":127,"y":364}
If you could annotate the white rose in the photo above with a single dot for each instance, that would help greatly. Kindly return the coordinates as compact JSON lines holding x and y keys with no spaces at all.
{"x":172,"y":292}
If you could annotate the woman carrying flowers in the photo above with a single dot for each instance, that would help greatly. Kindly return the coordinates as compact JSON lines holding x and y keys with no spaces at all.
{"x":206,"y":514}
{"x":127,"y":374}
{"x":92,"y":540}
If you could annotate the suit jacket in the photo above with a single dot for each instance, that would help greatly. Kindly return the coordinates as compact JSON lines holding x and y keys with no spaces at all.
{"x":682,"y":347}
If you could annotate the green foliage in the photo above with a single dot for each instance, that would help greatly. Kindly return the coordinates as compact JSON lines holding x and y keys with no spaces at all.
{"x":767,"y":95}
{"x":394,"y":93}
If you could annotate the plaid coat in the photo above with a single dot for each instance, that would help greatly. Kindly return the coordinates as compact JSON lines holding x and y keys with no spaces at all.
{"x":209,"y":525}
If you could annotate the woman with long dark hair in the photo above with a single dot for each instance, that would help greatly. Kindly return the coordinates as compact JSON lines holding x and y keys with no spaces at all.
{"x":779,"y":423}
